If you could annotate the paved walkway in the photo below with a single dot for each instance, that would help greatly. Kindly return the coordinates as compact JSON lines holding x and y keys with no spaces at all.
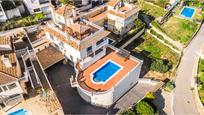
{"x":164,"y":102}
{"x":183,"y":97}
{"x":137,"y":93}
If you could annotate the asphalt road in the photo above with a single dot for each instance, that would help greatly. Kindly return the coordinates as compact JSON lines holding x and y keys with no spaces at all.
{"x":183,"y":96}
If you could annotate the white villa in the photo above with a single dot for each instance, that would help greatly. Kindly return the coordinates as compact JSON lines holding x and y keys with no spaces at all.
{"x":103,"y":72}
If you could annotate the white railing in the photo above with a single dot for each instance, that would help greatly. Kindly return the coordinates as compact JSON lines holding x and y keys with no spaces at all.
{"x":63,"y":33}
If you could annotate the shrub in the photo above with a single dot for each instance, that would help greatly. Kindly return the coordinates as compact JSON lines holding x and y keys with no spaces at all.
{"x":39,"y":16}
{"x":144,"y":108}
{"x":150,"y":95}
{"x":169,"y":86}
{"x":161,"y":66}
{"x":128,"y":112}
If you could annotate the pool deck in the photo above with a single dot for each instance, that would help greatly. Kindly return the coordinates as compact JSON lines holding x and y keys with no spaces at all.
{"x":127,"y":64}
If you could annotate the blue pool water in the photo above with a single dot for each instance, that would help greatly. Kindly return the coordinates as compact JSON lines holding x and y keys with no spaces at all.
{"x":187,"y":12}
{"x":19,"y":112}
{"x":105,"y":72}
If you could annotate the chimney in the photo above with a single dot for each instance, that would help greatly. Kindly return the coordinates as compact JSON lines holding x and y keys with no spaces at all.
{"x":74,"y":12}
{"x":6,"y":61}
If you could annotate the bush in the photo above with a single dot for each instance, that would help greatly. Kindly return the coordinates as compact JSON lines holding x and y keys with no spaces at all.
{"x":25,"y":21}
{"x":169,"y":86}
{"x":144,"y":108}
{"x":128,"y":112}
{"x":150,"y":95}
{"x":161,"y":66}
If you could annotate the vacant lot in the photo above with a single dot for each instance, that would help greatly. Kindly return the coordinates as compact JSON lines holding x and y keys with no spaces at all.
{"x":180,"y":29}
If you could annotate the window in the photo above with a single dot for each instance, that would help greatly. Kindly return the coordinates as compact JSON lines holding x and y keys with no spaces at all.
{"x":5,"y":88}
{"x":89,"y":49}
{"x":37,"y":10}
{"x":99,"y":42}
{"x":71,"y":58}
{"x":1,"y":90}
{"x":11,"y":86}
{"x":33,"y":1}
{"x":98,"y":51}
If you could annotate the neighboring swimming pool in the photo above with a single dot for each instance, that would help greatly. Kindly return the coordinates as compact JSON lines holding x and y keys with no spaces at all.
{"x":19,"y":112}
{"x":188,"y":12}
{"x":105,"y":72}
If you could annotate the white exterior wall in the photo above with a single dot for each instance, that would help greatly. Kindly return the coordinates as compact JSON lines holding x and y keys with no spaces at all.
{"x":104,"y":99}
{"x":16,"y":90}
{"x":77,"y":55}
{"x":13,"y":13}
{"x":3,"y":17}
{"x":34,"y":5}
{"x":109,"y":97}
{"x":127,"y":83}
{"x":67,"y":50}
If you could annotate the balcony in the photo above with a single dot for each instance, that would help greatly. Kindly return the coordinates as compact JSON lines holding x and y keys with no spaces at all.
{"x":43,"y":1}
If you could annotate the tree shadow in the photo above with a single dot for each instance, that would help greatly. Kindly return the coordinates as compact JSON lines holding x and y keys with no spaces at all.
{"x":146,"y":18}
{"x":159,"y":102}
{"x":142,"y":55}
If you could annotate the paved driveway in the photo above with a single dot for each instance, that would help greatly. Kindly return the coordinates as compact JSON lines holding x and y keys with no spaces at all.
{"x":69,"y":98}
{"x":183,"y":97}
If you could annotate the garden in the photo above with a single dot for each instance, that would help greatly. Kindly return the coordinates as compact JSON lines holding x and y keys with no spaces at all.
{"x":180,"y":29}
{"x":201,"y":79}
{"x":177,"y":28}
{"x":22,"y":22}
{"x":152,"y":9}
{"x":161,"y":59}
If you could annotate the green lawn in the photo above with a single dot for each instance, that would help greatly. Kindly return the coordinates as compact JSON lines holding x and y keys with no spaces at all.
{"x":152,"y":9}
{"x":180,"y":29}
{"x":157,"y":50}
{"x":201,"y":79}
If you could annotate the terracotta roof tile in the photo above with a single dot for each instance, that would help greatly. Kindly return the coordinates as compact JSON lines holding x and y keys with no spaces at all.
{"x":127,"y":64}
{"x":113,"y":2}
{"x":62,"y":38}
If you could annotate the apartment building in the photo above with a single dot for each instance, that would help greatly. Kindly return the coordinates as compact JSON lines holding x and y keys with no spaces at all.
{"x":9,"y":12}
{"x":121,"y":16}
{"x":37,"y":6}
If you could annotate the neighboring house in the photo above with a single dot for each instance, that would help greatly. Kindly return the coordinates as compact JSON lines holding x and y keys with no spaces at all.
{"x":75,"y":37}
{"x":37,"y":6}
{"x":9,"y":10}
{"x":121,"y":16}
{"x":3,"y":16}
{"x":12,"y":78}
{"x":103,"y":72}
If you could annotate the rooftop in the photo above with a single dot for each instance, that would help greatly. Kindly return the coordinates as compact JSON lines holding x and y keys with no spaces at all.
{"x":49,"y":56}
{"x":122,"y":9}
{"x":66,"y":11}
{"x":36,"y":35}
{"x":14,"y":71}
{"x":127,"y":63}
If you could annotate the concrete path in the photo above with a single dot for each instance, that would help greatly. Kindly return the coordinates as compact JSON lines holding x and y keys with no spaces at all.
{"x":137,"y":93}
{"x":164,"y":102}
{"x":183,"y":97}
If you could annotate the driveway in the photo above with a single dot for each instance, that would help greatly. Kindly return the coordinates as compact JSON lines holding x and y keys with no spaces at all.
{"x":69,"y":98}
{"x":183,"y":97}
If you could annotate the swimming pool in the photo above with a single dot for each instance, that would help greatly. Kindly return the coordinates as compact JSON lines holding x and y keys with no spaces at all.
{"x":105,"y":72}
{"x":187,"y":12}
{"x":19,"y":112}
